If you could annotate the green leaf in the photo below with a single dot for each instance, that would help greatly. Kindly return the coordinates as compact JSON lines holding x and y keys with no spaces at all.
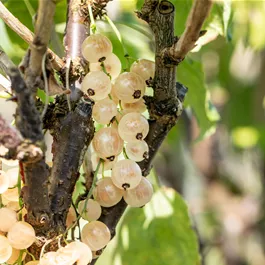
{"x":220,"y":19}
{"x":182,"y":9}
{"x":21,"y":12}
{"x":159,"y":233}
{"x":191,"y":75}
{"x":41,"y":94}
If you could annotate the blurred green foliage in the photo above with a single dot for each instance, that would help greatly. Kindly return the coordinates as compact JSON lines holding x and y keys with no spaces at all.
{"x":159,"y":233}
{"x":226,"y":71}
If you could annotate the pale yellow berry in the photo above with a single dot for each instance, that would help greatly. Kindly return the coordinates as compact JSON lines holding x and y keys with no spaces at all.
{"x":8,"y":218}
{"x":106,"y":193}
{"x":104,"y":111}
{"x":107,"y":143}
{"x":126,"y":174}
{"x":21,"y":235}
{"x":133,"y":126}
{"x":4,"y":182}
{"x":5,"y":249}
{"x":112,"y":66}
{"x":91,"y":212}
{"x":95,"y":47}
{"x":96,"y":235}
{"x":137,"y":151}
{"x":129,"y":87}
{"x":96,"y":85}
{"x":71,"y":217}
{"x":144,"y":68}
{"x":140,"y":195}
{"x":138,"y":106}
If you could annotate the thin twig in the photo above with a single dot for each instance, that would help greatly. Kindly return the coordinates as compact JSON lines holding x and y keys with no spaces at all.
{"x":46,"y":86}
{"x":26,"y":34}
{"x":192,"y":33}
{"x":43,"y":29}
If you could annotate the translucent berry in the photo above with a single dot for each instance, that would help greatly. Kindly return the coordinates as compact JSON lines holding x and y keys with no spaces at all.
{"x":96,"y":85}
{"x":104,"y":111}
{"x":144,"y":68}
{"x":92,"y":211}
{"x":13,"y":206}
{"x":33,"y":262}
{"x":13,"y":176}
{"x":96,"y":235}
{"x":11,"y":195}
{"x":4,"y":182}
{"x":126,"y":174}
{"x":5,"y":249}
{"x":15,"y":255}
{"x":96,"y":47}
{"x":107,"y":163}
{"x":52,"y":258}
{"x":138,"y":106}
{"x":106,"y":193}
{"x":113,"y":95}
{"x":83,"y":251}
{"x":133,"y":126}
{"x":140,"y":195}
{"x":21,"y":235}
{"x":10,"y":163}
{"x":129,"y":87}
{"x":107,"y":143}
{"x":71,"y":217}
{"x":8,"y":218}
{"x":112,"y":65}
{"x":137,"y":151}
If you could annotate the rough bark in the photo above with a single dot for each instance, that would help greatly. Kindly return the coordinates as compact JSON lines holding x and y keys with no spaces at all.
{"x":72,"y":136}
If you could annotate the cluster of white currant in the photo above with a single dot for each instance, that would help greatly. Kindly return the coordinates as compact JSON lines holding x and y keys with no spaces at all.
{"x":118,"y":108}
{"x":15,"y":235}
{"x":118,"y":145}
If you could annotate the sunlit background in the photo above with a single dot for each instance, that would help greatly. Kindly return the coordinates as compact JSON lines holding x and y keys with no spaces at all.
{"x":214,"y":157}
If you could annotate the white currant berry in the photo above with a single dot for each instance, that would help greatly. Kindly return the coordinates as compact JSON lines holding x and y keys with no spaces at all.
{"x":107,"y":163}
{"x":106,"y":193}
{"x":96,"y":85}
{"x":104,"y":111}
{"x":8,"y":218}
{"x":13,"y":206}
{"x":82,"y":250}
{"x":126,"y":174}
{"x":92,"y":211}
{"x":140,"y":195}
{"x":137,"y":151}
{"x":5,"y":249}
{"x":15,"y":255}
{"x":138,"y":106}
{"x":13,"y":176}
{"x":95,"y":47}
{"x":52,"y":258}
{"x":112,"y":65}
{"x":96,"y":235}
{"x":107,"y":143}
{"x":144,"y":68}
{"x":4,"y":182}
{"x":11,"y":195}
{"x":33,"y":262}
{"x":10,"y":163}
{"x":133,"y":126}
{"x":21,"y":235}
{"x":129,"y":87}
{"x":71,"y":217}
{"x":113,"y":95}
